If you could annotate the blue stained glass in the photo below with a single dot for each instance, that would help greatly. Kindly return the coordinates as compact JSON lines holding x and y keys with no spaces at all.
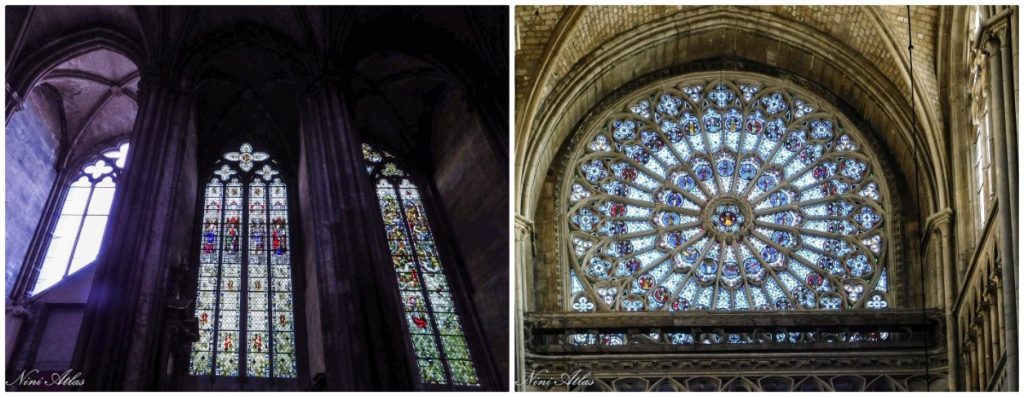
{"x":766,"y":201}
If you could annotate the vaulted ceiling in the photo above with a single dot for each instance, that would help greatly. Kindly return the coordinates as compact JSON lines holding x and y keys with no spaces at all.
{"x":568,"y":59}
{"x":248,"y":64}
{"x":877,"y":33}
{"x":98,"y":95}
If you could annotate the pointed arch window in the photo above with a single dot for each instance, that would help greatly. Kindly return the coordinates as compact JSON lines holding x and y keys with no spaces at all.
{"x":77,"y":235}
{"x":434,"y":327}
{"x":981,"y":153}
{"x":244,"y":301}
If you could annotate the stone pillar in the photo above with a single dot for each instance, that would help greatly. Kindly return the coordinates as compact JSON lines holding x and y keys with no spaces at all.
{"x":347,"y":263}
{"x":523,"y":266}
{"x":1003,"y":186}
{"x":149,"y":230}
{"x":1008,"y":76}
{"x":938,"y":228}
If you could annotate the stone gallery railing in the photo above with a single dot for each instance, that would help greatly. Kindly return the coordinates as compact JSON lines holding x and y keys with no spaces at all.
{"x":667,"y":350}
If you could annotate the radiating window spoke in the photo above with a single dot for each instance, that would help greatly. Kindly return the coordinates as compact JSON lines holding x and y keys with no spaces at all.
{"x":739,"y":196}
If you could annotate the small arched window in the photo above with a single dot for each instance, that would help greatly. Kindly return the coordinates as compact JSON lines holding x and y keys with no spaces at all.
{"x":78,"y":232}
{"x":244,"y":301}
{"x":434,"y":328}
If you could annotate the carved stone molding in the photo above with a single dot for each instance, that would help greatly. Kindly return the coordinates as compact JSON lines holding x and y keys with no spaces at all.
{"x":524,"y":227}
{"x":797,"y":382}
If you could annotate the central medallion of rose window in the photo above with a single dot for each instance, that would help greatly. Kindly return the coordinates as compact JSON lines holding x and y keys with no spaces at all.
{"x":727,"y":218}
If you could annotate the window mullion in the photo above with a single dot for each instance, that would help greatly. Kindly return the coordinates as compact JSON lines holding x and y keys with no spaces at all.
{"x":267,"y":255}
{"x":78,"y":232}
{"x":220,"y":273}
{"x":243,"y":290}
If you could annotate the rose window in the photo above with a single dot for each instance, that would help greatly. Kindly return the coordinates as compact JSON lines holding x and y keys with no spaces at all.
{"x":724,"y":195}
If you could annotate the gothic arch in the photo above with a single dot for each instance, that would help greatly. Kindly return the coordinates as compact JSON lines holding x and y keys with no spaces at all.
{"x":567,"y":101}
{"x":94,"y":88}
{"x":32,"y":66}
{"x":201,"y":52}
{"x":663,"y":43}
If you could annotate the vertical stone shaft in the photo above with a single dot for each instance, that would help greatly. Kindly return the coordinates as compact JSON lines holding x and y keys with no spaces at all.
{"x":145,"y":234}
{"x":345,"y":256}
{"x":1004,"y":218}
{"x":1010,"y":125}
{"x":523,"y":267}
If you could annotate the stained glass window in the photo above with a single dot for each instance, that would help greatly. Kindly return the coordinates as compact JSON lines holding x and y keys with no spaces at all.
{"x":244,"y":300}
{"x":434,"y":328}
{"x":78,"y":233}
{"x":725,"y":195}
{"x":981,"y":153}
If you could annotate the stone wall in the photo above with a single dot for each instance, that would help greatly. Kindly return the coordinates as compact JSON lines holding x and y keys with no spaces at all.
{"x":466,"y":169}
{"x":33,"y":151}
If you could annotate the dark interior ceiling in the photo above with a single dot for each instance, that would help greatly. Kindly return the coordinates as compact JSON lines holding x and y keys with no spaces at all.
{"x":396,"y":96}
{"x":391,"y":61}
{"x":249,"y":66}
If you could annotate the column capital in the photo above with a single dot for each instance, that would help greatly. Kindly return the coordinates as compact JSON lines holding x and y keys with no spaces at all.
{"x":18,"y":311}
{"x":995,"y":33}
{"x":523,"y":226}
{"x":936,"y":223}
{"x":938,"y":219}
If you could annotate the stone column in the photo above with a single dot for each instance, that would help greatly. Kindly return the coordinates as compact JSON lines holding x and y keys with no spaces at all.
{"x":149,"y":230}
{"x":1009,"y":99}
{"x":523,"y":266}
{"x":1003,"y":187}
{"x":938,"y":228}
{"x":348,"y":267}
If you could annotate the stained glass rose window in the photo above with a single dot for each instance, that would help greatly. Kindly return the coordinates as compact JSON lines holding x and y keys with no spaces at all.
{"x":723,"y":195}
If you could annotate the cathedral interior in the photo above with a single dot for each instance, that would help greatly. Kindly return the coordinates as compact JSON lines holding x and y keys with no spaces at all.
{"x":766,"y":198}
{"x":257,"y":198}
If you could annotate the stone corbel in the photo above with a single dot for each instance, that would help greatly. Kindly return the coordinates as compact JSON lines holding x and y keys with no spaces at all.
{"x":19,"y":312}
{"x":19,"y":102}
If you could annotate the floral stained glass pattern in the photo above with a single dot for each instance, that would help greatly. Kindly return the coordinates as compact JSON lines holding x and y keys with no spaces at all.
{"x":434,"y":328}
{"x":723,"y":195}
{"x":78,"y":233}
{"x":244,"y":297}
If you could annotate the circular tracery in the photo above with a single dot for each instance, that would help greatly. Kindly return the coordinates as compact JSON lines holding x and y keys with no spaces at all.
{"x":725,"y":195}
{"x":726,"y":218}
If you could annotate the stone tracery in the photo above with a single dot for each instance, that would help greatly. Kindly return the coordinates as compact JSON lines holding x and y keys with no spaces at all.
{"x":726,"y":194}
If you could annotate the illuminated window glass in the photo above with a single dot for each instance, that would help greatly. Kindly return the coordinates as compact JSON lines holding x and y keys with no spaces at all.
{"x":78,"y":233}
{"x":434,"y":328}
{"x":725,"y":195}
{"x":244,"y":300}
